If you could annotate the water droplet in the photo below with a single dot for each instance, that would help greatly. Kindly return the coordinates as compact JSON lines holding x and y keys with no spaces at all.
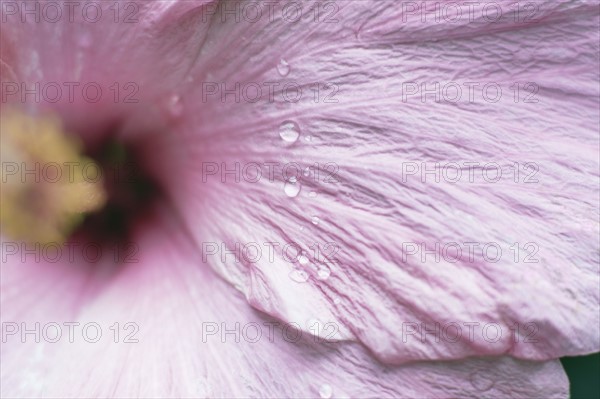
{"x":481,"y":381}
{"x":315,"y":220}
{"x":175,"y":106}
{"x":308,"y":138}
{"x":299,"y":276}
{"x":306,"y":171}
{"x":325,"y":391}
{"x":337,"y":300}
{"x":303,"y":260}
{"x":312,"y":194}
{"x":289,"y":131}
{"x":283,"y":67}
{"x":292,"y":188}
{"x":323,"y":273}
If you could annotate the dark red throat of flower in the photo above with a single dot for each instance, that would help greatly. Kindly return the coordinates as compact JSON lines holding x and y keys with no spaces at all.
{"x":132,"y":195}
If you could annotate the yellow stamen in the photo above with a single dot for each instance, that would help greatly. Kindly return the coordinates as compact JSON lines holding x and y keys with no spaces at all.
{"x":44,"y":191}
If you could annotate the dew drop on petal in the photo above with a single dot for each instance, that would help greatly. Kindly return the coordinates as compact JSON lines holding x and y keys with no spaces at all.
{"x":292,"y":187}
{"x":312,"y":194}
{"x":308,"y":138}
{"x":299,"y":276}
{"x":315,"y":220}
{"x":325,"y":391}
{"x":306,"y":171}
{"x":481,"y":381}
{"x":175,"y":106}
{"x":289,"y":131}
{"x":303,"y":260}
{"x":337,"y":300}
{"x":323,"y":273}
{"x":283,"y":67}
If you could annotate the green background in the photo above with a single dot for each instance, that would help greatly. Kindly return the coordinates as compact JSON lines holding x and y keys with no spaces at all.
{"x":584,"y":374}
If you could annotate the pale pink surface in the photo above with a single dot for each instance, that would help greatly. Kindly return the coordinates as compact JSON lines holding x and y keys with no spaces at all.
{"x":169,"y":300}
{"x":368,"y":213}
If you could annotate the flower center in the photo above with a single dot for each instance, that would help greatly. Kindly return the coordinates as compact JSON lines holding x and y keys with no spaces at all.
{"x":56,"y":191}
{"x":131,"y":194}
{"x":44,"y":193}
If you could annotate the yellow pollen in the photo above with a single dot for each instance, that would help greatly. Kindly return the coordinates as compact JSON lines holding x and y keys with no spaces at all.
{"x":44,"y":192}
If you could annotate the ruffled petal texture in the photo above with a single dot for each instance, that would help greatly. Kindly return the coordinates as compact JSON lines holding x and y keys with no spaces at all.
{"x":184,"y":333}
{"x":310,"y":210}
{"x":346,"y":209}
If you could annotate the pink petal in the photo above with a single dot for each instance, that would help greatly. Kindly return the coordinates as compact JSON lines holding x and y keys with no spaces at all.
{"x":172,"y":299}
{"x":371,"y":211}
{"x":376,"y":289}
{"x":136,"y":53}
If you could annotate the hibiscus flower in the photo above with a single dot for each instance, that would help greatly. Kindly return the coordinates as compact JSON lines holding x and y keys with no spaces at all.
{"x":319,"y":204}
